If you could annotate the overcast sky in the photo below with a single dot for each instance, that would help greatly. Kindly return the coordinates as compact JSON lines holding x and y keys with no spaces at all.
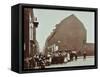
{"x":49,"y":18}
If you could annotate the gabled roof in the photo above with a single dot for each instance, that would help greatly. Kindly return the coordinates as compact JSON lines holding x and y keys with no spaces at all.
{"x":69,"y":19}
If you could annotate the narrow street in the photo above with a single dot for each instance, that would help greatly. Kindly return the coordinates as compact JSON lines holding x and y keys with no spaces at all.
{"x":80,"y":62}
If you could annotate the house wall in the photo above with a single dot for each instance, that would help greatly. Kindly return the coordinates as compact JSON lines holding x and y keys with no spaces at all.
{"x":70,"y":32}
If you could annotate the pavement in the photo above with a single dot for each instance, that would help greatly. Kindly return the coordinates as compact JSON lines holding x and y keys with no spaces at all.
{"x":80,"y":62}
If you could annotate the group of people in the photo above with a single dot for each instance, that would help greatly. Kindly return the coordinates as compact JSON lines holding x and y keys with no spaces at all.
{"x":40,"y":61}
{"x":65,"y":56}
{"x":37,"y":61}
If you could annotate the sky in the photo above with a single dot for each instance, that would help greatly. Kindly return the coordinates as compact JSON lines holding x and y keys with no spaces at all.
{"x":48,"y":18}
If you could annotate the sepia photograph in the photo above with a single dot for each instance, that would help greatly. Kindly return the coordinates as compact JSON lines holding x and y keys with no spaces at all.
{"x":58,"y":38}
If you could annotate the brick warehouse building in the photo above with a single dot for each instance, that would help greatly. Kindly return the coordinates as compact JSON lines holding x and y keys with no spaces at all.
{"x":69,"y":34}
{"x":30,"y":42}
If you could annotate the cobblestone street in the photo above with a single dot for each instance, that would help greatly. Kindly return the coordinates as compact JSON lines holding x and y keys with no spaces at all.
{"x":80,"y":62}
